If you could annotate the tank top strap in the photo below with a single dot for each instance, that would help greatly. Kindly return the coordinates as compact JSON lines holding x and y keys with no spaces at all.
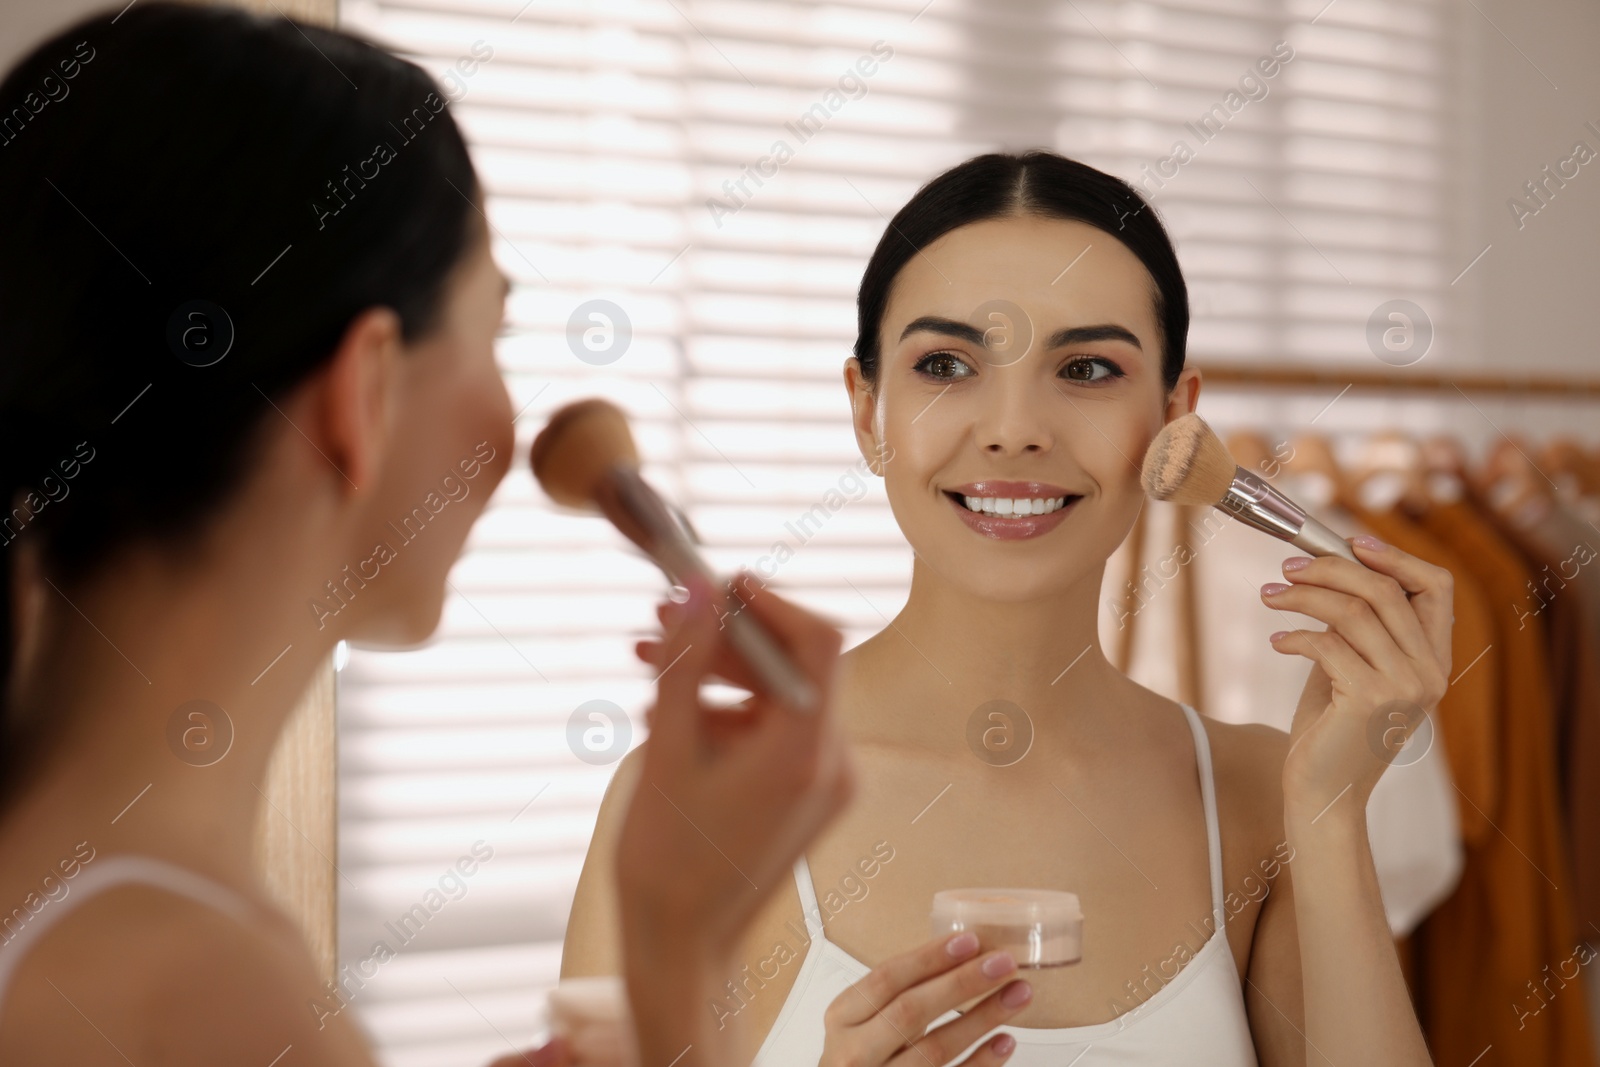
{"x":97,"y":876}
{"x":1208,"y":799}
{"x":808,"y":899}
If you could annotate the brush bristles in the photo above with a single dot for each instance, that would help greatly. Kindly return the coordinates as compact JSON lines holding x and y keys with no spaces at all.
{"x":581,"y":442}
{"x":1188,"y":464}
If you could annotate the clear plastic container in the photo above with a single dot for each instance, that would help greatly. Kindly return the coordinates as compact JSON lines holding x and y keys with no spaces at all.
{"x":1039,"y":927}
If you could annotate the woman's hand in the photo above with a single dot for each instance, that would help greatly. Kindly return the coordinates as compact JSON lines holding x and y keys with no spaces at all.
{"x":1383,"y":662}
{"x":552,"y":1054}
{"x":725,"y":802}
{"x":728,"y":800}
{"x":882,"y":1018}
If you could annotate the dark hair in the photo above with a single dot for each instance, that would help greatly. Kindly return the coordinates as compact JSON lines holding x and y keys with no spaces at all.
{"x":184,"y":183}
{"x":1030,"y":183}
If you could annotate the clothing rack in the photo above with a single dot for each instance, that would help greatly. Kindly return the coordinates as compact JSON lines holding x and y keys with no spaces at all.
{"x":1399,"y":379}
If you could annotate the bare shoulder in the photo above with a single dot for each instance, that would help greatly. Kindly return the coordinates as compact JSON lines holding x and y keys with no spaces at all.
{"x":143,"y":975}
{"x":593,"y":943}
{"x":1247,"y":764}
{"x":1248,"y":760}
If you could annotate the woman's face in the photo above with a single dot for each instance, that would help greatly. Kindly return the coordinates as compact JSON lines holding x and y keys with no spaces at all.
{"x":1019,"y":372}
{"x":449,"y":445}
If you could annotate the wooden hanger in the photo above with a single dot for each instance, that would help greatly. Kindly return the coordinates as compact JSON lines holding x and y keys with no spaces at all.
{"x":1444,"y":464}
{"x":1310,"y":454}
{"x":1510,"y":483}
{"x":1388,"y":471}
{"x":1572,"y":468}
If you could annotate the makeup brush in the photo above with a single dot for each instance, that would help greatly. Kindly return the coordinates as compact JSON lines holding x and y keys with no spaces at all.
{"x":1188,"y":464}
{"x":585,"y":458}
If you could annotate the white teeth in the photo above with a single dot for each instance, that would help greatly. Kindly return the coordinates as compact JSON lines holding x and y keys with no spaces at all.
{"x":1014,"y":506}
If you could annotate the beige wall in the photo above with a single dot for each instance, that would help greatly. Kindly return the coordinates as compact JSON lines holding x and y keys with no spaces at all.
{"x":1536,"y":289}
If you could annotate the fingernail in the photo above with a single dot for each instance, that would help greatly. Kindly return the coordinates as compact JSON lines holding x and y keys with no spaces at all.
{"x":1273,"y":589}
{"x":1294,"y":563}
{"x":699,"y":594}
{"x":998,"y":966}
{"x":1366,"y":541}
{"x":1016,"y":994}
{"x":1004,"y":1044}
{"x":962,"y":945}
{"x":1278,"y":636}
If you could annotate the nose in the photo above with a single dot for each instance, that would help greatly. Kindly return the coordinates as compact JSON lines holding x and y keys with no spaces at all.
{"x":1013,"y":421}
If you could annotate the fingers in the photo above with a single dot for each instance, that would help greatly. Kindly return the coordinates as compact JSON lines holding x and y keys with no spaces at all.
{"x":1329,"y":651}
{"x":897,"y":974}
{"x":946,"y":1042}
{"x":894,"y":1020}
{"x":689,"y":650}
{"x":1380,"y":613}
{"x":726,"y":665}
{"x":913,"y":1011}
{"x":1354,"y":619}
{"x":1381,"y":600}
{"x":1432,"y":590}
{"x":996,"y":1050}
{"x":809,"y":638}
{"x":553,"y":1054}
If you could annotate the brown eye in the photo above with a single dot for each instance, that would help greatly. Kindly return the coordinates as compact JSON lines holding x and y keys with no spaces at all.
{"x":1083,"y":370}
{"x":944,"y":366}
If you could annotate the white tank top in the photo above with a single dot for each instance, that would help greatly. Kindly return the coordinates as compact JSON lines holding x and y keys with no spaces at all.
{"x":1197,"y":1018}
{"x":101,"y":874}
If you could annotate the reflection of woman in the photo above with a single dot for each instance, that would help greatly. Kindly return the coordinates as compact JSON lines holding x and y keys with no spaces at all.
{"x":229,"y":362}
{"x":1022,"y":327}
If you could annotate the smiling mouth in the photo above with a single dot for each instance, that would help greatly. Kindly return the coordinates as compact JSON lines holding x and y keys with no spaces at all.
{"x":1012,"y":507}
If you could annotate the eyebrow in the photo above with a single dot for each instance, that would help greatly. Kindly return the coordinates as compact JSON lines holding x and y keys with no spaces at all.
{"x":1107,"y":331}
{"x":947,"y":327}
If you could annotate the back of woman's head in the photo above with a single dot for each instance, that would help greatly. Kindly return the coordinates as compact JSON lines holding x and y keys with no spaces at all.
{"x":1028,"y":183}
{"x":197,"y":203}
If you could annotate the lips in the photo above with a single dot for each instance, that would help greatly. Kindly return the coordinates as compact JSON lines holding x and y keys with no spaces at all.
{"x":1011,"y":511}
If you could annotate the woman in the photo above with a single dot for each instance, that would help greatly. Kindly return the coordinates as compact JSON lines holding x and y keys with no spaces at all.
{"x":1021,"y":341}
{"x":248,"y":310}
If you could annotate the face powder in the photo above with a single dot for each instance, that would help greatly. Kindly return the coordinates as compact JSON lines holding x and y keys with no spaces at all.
{"x":592,"y":1014}
{"x":1039,"y":927}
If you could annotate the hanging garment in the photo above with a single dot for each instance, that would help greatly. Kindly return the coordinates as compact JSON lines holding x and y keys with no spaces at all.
{"x":1482,"y":951}
{"x":1564,"y":552}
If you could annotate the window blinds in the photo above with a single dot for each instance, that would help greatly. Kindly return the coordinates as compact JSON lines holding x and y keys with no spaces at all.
{"x":685,"y":193}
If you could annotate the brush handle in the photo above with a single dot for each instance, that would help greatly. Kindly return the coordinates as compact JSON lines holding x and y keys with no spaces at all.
{"x":667,"y":543}
{"x":1318,"y":540}
{"x":1257,"y":503}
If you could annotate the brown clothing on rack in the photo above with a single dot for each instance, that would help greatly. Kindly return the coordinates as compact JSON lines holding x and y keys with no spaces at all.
{"x":1482,"y":957}
{"x":1469,"y":715}
{"x":1575,"y":672}
{"x":1565,"y":593}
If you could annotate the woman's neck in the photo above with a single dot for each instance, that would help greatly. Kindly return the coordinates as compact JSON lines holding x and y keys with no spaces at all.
{"x":950,"y":652}
{"x":112,"y":670}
